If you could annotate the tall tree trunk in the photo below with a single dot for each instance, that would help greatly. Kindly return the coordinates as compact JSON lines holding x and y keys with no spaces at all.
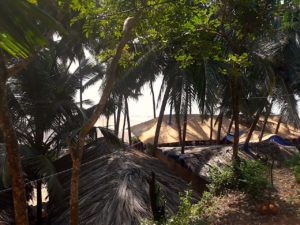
{"x":81,"y":86}
{"x":39,"y":205}
{"x":268,"y":111}
{"x":170,"y":115}
{"x":39,"y":142}
{"x":128,"y":120}
{"x":186,"y":106}
{"x":278,"y":125}
{"x":153,"y":99}
{"x":190,"y":105}
{"x":76,"y":149}
{"x":12,"y":153}
{"x":107,"y":121}
{"x":161,"y":116}
{"x":219,"y":128}
{"x":117,"y":125}
{"x":230,"y":125}
{"x":211,"y":125}
{"x":124,"y":124}
{"x":177,"y":105}
{"x":235,"y":113}
{"x":253,"y":125}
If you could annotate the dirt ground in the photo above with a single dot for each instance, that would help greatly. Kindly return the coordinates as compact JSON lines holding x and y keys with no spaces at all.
{"x":235,"y":209}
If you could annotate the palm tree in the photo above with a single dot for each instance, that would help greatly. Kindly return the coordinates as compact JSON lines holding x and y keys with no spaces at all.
{"x":15,"y":25}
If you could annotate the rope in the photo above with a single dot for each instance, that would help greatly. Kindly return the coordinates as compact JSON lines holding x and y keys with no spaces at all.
{"x":64,"y":171}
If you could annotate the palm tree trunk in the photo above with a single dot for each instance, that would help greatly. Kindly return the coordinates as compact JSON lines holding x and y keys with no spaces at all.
{"x":211,"y":125}
{"x":161,"y":116}
{"x":128,"y":120}
{"x":278,"y":125}
{"x":265,"y":121}
{"x":39,"y":205}
{"x":190,"y":99}
{"x":153,"y":99}
{"x":12,"y":153}
{"x":253,"y":125}
{"x":117,"y":125}
{"x":107,"y":121}
{"x":219,"y":128}
{"x":81,"y":86}
{"x":185,"y":120}
{"x":230,"y":125}
{"x":124,"y":124}
{"x":77,"y":150}
{"x":170,"y":115}
{"x":235,"y":113}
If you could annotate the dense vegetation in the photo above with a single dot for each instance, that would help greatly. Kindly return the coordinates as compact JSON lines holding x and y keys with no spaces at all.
{"x":231,"y":57}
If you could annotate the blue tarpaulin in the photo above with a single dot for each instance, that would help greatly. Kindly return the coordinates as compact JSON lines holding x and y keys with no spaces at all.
{"x":279,"y":140}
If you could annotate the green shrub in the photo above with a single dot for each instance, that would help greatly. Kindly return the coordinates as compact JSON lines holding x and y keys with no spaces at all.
{"x":188,"y":213}
{"x":251,"y":178}
{"x":221,"y":180}
{"x":254,"y":178}
{"x":294,"y":164}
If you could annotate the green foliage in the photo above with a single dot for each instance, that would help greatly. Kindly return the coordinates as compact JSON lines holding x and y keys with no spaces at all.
{"x":250,"y":178}
{"x":254,"y":178}
{"x":188,"y":213}
{"x":150,"y":150}
{"x":21,"y":27}
{"x":294,"y":164}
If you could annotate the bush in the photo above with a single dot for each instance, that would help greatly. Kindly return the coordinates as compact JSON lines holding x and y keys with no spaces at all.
{"x":251,"y":178}
{"x":188,"y":213}
{"x":254,"y":178}
{"x":294,"y":164}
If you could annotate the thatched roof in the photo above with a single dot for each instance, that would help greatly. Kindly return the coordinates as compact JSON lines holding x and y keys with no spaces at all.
{"x":200,"y":159}
{"x":199,"y":129}
{"x":114,"y":189}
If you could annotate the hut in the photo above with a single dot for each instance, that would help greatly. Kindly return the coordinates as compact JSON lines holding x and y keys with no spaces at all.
{"x":114,"y":188}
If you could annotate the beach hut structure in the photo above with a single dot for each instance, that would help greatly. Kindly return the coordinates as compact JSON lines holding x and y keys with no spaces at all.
{"x":114,"y":187}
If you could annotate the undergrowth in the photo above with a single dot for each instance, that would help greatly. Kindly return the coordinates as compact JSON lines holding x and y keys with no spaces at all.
{"x":189,"y":213}
{"x":294,"y":164}
{"x":251,"y":178}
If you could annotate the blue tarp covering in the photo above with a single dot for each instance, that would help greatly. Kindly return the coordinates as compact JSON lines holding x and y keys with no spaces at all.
{"x":275,"y":138}
{"x":279,"y":140}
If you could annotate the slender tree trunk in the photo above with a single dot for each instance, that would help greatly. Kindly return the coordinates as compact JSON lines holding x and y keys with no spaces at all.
{"x":128,"y":120}
{"x":211,"y":125}
{"x":265,"y":121}
{"x":230,"y":125}
{"x":12,"y":153}
{"x":77,"y":148}
{"x":185,"y":120}
{"x":171,"y":109}
{"x":153,"y":99}
{"x":253,"y":125}
{"x":190,"y":99}
{"x":177,"y":105}
{"x":115,"y":119}
{"x":278,"y":125}
{"x":117,"y":125}
{"x":39,"y":141}
{"x":235,"y":111}
{"x":107,"y":121}
{"x":124,"y":124}
{"x":39,"y":205}
{"x":161,"y":115}
{"x":81,"y":86}
{"x":219,"y":128}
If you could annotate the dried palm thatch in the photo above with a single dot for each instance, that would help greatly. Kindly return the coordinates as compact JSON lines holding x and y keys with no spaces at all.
{"x":198,"y":128}
{"x":200,"y":160}
{"x":114,"y":188}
